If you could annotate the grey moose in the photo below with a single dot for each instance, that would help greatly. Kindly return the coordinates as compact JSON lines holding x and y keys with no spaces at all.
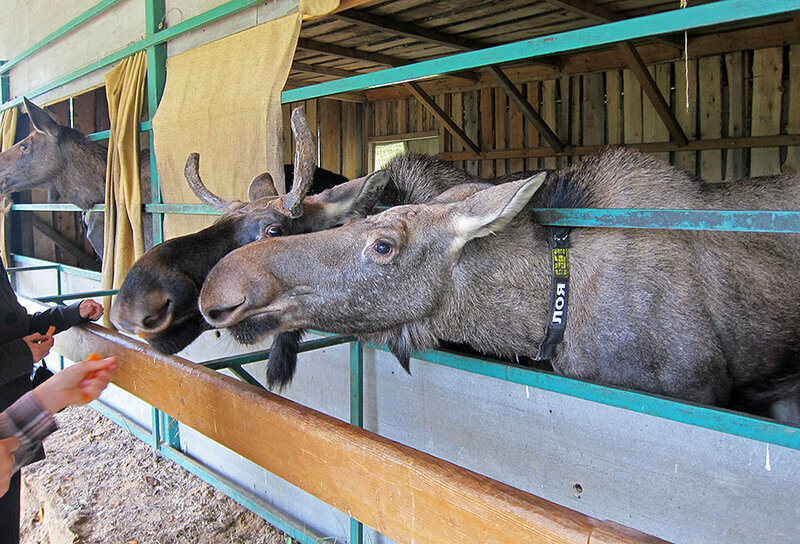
{"x":705,"y":316}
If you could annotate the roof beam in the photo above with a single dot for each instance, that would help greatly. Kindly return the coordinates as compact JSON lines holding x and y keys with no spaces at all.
{"x":599,"y":14}
{"x":637,"y":66}
{"x":368,"y":56}
{"x":445,"y":119}
{"x":322,"y":70}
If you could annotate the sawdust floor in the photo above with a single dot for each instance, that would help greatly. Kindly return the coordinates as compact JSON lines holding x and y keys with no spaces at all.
{"x":101,"y":485}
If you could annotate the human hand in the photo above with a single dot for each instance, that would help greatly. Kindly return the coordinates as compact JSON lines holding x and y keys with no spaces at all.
{"x":7,"y":449}
{"x":76,"y":384}
{"x":90,"y":309}
{"x":39,"y":344}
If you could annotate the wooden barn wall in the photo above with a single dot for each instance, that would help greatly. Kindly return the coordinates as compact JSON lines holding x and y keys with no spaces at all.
{"x":748,"y":93}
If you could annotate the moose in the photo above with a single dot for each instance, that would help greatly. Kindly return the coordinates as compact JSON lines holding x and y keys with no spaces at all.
{"x":158,"y":298}
{"x":709,"y":317}
{"x":69,"y":164}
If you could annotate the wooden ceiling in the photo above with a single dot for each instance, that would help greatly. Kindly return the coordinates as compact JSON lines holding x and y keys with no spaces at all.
{"x":364,"y":36}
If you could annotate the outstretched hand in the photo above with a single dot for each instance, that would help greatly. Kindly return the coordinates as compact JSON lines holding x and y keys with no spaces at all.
{"x":76,"y":384}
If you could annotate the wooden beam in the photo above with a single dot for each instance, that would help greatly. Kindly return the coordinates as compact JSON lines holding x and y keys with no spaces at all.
{"x":384,"y":24}
{"x":403,"y":493}
{"x":84,"y":260}
{"x":527,"y":110}
{"x":443,"y":118}
{"x":368,"y":56}
{"x":590,"y":10}
{"x":648,"y":147}
{"x":637,"y":66}
{"x":322,"y":70}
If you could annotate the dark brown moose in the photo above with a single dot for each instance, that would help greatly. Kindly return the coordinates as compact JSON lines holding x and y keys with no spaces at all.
{"x":67,"y":163}
{"x":710,"y":317}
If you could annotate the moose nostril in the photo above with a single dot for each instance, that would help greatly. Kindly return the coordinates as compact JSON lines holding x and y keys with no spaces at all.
{"x":220,"y":314}
{"x":154,"y":320}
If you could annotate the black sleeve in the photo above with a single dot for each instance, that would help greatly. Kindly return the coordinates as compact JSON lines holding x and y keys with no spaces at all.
{"x":62,"y":317}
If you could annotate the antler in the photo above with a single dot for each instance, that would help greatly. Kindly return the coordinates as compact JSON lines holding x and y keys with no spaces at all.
{"x":305,"y":159}
{"x":192,"y":173}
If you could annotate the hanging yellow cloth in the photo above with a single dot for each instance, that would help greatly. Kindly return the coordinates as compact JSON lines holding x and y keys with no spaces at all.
{"x":222,"y":100}
{"x":8,"y":131}
{"x":124,"y":240}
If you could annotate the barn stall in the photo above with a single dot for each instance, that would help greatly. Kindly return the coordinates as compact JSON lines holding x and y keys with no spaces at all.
{"x":710,"y":87}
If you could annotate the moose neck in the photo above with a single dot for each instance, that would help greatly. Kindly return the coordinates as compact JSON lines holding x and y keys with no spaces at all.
{"x":501,"y":292}
{"x":82,"y":179}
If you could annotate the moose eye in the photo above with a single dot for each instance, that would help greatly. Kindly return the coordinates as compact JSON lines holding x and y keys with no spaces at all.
{"x":381,"y":247}
{"x":24,"y":147}
{"x":274,"y":230}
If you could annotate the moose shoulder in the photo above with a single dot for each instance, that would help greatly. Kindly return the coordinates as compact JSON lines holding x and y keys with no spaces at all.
{"x":705,"y":316}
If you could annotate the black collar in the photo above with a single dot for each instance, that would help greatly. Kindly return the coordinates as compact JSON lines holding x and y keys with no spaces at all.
{"x":559,"y":294}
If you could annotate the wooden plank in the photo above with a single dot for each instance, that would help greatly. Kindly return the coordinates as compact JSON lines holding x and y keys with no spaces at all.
{"x":471,"y":123}
{"x":457,"y":113}
{"x":528,"y":111}
{"x":403,"y":493}
{"x":632,"y":108}
{"x":549,"y":112}
{"x":516,"y":136}
{"x":650,"y":88}
{"x":402,"y":116}
{"x":500,"y":113}
{"x":563,"y":128}
{"x":653,"y":129}
{"x":533,"y":89}
{"x":766,"y":116}
{"x":734,"y":158}
{"x":351,"y":130}
{"x":614,"y":107}
{"x":710,"y":112}
{"x":437,"y":112}
{"x":593,"y":111}
{"x":329,"y":137}
{"x":574,"y":115}
{"x":792,"y":163}
{"x":487,"y":130}
{"x":686,"y":111}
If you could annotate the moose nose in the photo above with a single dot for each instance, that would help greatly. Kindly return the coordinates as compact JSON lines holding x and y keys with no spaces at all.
{"x":147,"y":314}
{"x":235,"y":290}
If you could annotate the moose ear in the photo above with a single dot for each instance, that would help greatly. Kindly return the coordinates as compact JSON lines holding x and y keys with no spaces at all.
{"x":492,"y":209}
{"x":40,"y":119}
{"x":261,"y":186}
{"x":354,"y":198}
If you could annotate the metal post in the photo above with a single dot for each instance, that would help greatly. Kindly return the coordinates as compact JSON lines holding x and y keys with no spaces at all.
{"x":356,"y":416}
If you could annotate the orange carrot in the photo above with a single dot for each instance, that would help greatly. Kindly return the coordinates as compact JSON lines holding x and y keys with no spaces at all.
{"x":51,"y":330}
{"x":91,"y":374}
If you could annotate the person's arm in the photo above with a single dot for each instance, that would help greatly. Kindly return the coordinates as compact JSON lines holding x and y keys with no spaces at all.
{"x":29,"y":422}
{"x":30,"y":419}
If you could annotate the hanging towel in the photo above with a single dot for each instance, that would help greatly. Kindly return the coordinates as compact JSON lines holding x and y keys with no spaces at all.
{"x":222,"y":100}
{"x":124,"y":239}
{"x":8,"y":131}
